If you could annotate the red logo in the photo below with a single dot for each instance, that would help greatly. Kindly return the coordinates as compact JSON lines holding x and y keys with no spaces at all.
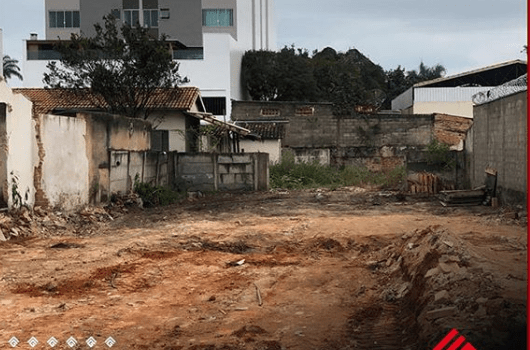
{"x":456,"y":344}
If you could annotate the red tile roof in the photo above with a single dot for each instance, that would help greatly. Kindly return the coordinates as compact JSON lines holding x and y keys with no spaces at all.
{"x":47,"y":100}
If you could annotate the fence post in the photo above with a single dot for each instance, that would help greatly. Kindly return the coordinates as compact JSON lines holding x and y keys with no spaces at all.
{"x":215,"y":171}
{"x":255,"y":163}
{"x":157,"y":165}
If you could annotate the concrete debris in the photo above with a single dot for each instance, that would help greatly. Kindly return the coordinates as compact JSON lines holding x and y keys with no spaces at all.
{"x":442,"y":312}
{"x":461,"y":197}
{"x":432,"y":272}
{"x":403,"y":289}
{"x":481,"y":300}
{"x":446,"y":268}
{"x":442,"y":296}
{"x":47,"y":223}
{"x":236,"y":263}
{"x":449,"y":244}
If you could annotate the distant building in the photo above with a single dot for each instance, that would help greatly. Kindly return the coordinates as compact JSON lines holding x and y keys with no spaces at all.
{"x":452,"y":95}
{"x":208,"y":38}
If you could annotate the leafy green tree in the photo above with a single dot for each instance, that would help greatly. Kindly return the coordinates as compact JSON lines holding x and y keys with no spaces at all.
{"x":398,"y":80}
{"x":278,"y":76}
{"x":259,"y":74}
{"x":11,"y":68}
{"x":295,"y":79}
{"x":119,"y":69}
{"x":425,"y":73}
{"x":346,"y":79}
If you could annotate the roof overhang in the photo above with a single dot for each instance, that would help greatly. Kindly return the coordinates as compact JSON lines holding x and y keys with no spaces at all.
{"x":209,"y":118}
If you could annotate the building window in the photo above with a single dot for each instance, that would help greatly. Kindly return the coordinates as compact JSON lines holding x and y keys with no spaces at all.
{"x":160,"y":140}
{"x":190,"y":53}
{"x":164,"y":13}
{"x":218,"y":17}
{"x":64,"y":19}
{"x":215,"y":105}
{"x":151,"y":18}
{"x":131,"y":17}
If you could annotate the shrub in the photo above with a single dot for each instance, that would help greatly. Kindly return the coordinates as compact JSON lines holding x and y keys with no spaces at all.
{"x":155,"y":195}
{"x":287,"y":174}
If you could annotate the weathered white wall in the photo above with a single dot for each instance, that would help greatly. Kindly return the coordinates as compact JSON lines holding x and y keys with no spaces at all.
{"x":65,"y":167}
{"x":176,"y":124}
{"x":272,"y":147}
{"x":21,"y":147}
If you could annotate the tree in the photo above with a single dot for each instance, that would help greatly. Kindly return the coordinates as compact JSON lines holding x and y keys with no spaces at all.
{"x":346,"y":79}
{"x":295,"y":79}
{"x":118,"y":70}
{"x":278,"y":76}
{"x":11,"y":68}
{"x":399,"y":81}
{"x":425,"y":73}
{"x":259,"y":74}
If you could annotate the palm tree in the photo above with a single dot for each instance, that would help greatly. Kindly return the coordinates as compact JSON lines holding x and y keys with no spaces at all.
{"x":11,"y":68}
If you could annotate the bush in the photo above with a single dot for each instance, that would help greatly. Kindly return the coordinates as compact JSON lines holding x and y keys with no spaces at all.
{"x":153,"y":196}
{"x":287,"y":174}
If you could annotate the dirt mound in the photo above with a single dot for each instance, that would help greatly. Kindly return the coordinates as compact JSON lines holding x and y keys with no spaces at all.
{"x":438,"y":285}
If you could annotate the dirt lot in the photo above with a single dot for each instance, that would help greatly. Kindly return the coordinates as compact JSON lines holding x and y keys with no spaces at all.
{"x":348,"y":269}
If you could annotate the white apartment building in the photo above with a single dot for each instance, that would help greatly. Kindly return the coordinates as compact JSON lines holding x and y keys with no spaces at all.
{"x":209,"y":38}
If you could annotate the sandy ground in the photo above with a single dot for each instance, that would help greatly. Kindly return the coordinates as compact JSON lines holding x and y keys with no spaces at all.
{"x":348,"y":269}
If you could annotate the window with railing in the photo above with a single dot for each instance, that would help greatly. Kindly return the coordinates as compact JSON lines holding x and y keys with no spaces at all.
{"x":217,"y":17}
{"x":190,"y":53}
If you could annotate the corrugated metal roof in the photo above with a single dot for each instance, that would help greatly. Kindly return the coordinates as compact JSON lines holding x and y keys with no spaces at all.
{"x":475,"y":71}
{"x":47,"y":100}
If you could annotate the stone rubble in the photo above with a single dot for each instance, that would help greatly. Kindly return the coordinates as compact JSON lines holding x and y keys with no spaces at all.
{"x":40,"y":222}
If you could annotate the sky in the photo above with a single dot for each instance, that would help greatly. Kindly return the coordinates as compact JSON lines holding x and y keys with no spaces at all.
{"x":459,"y":34}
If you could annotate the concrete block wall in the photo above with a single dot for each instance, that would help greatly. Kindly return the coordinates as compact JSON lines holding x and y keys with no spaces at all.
{"x":500,"y":141}
{"x":380,"y":130}
{"x":322,"y":129}
{"x":314,"y":129}
{"x":222,"y":172}
{"x":195,"y":172}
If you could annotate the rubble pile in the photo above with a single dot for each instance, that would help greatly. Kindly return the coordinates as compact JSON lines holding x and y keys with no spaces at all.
{"x":439,"y":283}
{"x":41,"y":222}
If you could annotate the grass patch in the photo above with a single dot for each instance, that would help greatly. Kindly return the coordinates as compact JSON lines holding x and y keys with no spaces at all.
{"x":290,"y":175}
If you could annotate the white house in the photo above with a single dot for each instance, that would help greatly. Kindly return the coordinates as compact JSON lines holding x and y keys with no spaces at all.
{"x":209,"y":38}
